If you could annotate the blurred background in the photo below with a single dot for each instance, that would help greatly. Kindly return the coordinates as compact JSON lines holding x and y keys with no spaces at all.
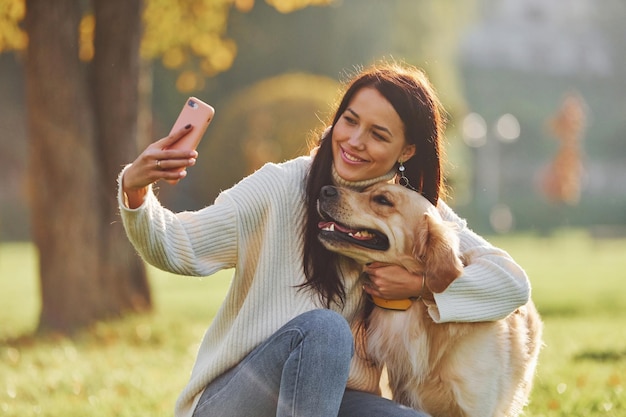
{"x":528,"y":85}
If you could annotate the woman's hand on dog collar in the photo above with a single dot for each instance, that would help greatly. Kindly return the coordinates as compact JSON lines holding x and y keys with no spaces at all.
{"x":392,"y":282}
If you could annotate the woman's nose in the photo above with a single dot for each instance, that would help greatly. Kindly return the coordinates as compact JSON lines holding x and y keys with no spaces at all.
{"x":356,"y":140}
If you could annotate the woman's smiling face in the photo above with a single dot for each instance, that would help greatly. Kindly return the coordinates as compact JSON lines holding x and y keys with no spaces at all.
{"x":368,"y":139}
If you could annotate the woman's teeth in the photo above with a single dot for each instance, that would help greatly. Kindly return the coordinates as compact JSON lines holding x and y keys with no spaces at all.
{"x":352,"y":158}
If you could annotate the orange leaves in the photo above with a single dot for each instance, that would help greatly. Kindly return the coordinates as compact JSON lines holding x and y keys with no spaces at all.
{"x":86,"y":31}
{"x":244,"y":5}
{"x":12,"y":37}
{"x":283,"y":6}
{"x":288,"y":6}
{"x":189,"y":36}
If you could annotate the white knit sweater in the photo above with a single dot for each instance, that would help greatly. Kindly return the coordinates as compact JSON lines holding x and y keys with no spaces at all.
{"x":256,"y":227}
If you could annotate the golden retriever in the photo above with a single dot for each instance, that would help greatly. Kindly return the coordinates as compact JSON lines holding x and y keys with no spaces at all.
{"x":448,"y":369}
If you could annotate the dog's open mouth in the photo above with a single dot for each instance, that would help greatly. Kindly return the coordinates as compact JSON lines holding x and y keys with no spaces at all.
{"x":368,"y":238}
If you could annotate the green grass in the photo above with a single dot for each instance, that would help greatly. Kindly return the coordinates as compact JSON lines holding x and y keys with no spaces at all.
{"x":579,"y":287}
{"x":137,"y":366}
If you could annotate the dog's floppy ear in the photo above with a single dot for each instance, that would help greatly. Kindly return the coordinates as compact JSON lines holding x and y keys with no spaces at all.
{"x":437,"y":246}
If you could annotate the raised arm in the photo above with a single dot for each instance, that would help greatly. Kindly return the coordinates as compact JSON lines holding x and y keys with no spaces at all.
{"x":188,"y":243}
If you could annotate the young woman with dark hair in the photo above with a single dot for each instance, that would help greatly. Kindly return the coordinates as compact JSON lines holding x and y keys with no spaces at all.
{"x":282,"y":343}
{"x":413,"y":99}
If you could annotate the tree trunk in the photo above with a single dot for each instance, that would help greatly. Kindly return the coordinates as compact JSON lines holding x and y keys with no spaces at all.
{"x":65,"y":210}
{"x":88,"y":271}
{"x":116,"y":93}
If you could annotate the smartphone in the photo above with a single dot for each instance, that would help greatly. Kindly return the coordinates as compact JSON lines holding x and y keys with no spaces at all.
{"x":197,"y":113}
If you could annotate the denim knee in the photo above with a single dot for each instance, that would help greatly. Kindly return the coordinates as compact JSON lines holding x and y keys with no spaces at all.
{"x":330,"y":328}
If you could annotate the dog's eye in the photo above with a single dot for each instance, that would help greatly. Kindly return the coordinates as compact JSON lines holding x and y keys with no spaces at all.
{"x":382,"y":200}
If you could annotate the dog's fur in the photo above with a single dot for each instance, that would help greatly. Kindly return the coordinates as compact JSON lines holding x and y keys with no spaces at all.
{"x":450,"y":369}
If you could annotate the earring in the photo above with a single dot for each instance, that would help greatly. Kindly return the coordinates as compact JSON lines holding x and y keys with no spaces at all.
{"x":404,"y":181}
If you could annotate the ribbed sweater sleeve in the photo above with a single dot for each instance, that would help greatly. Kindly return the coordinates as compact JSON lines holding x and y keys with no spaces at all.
{"x":187,"y":243}
{"x":492,"y":286}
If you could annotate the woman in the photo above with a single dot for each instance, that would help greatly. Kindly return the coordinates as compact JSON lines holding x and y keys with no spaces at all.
{"x":282,"y":343}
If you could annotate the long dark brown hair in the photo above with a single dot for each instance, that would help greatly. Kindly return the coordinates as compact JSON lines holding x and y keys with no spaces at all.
{"x":414,"y":99}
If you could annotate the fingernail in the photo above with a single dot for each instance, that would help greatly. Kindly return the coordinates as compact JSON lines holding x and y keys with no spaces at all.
{"x":188,"y":126}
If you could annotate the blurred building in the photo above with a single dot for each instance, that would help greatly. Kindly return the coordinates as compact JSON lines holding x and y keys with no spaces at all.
{"x":559,"y":37}
{"x":524,"y":58}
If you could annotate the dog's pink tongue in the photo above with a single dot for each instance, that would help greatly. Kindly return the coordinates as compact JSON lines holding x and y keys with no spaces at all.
{"x":324,"y":225}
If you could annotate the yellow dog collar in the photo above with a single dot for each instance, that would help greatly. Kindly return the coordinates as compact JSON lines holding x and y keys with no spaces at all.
{"x":400,"y":305}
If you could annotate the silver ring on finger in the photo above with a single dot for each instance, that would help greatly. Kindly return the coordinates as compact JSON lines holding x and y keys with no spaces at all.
{"x":158,"y":164}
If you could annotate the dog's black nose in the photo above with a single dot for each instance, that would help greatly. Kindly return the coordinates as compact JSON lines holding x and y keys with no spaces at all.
{"x":329,"y":191}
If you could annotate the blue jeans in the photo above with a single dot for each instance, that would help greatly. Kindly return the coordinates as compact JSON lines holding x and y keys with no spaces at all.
{"x":300,"y":371}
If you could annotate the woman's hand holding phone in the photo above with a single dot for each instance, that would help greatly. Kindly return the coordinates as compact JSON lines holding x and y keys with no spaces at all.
{"x":168,"y":158}
{"x":158,"y":162}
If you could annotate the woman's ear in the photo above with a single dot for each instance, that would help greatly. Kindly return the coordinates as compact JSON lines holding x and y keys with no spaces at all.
{"x":407,"y":153}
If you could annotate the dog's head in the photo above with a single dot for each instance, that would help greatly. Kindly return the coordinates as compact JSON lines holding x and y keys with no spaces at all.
{"x":392,"y":224}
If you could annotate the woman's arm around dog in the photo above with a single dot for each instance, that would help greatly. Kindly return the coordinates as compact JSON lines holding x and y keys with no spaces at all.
{"x":492,"y":286}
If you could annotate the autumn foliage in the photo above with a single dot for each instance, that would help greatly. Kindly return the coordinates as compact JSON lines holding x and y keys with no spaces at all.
{"x":187,"y":36}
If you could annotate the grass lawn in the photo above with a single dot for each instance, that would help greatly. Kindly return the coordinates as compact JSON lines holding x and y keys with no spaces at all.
{"x":137,"y":366}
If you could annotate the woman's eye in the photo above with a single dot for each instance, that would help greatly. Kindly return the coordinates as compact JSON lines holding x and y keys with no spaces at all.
{"x":378,"y":136}
{"x":382,"y":200}
{"x":349,"y":120}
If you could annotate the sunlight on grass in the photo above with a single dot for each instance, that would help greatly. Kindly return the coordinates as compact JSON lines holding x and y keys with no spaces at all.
{"x":567,"y":383}
{"x":131,"y":367}
{"x":19,"y":289}
{"x":138,"y":365}
{"x":578,"y":285}
{"x":571,"y":274}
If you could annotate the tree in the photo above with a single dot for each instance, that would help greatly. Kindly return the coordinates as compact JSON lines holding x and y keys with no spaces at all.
{"x":82,"y":123}
{"x":88,"y":270}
